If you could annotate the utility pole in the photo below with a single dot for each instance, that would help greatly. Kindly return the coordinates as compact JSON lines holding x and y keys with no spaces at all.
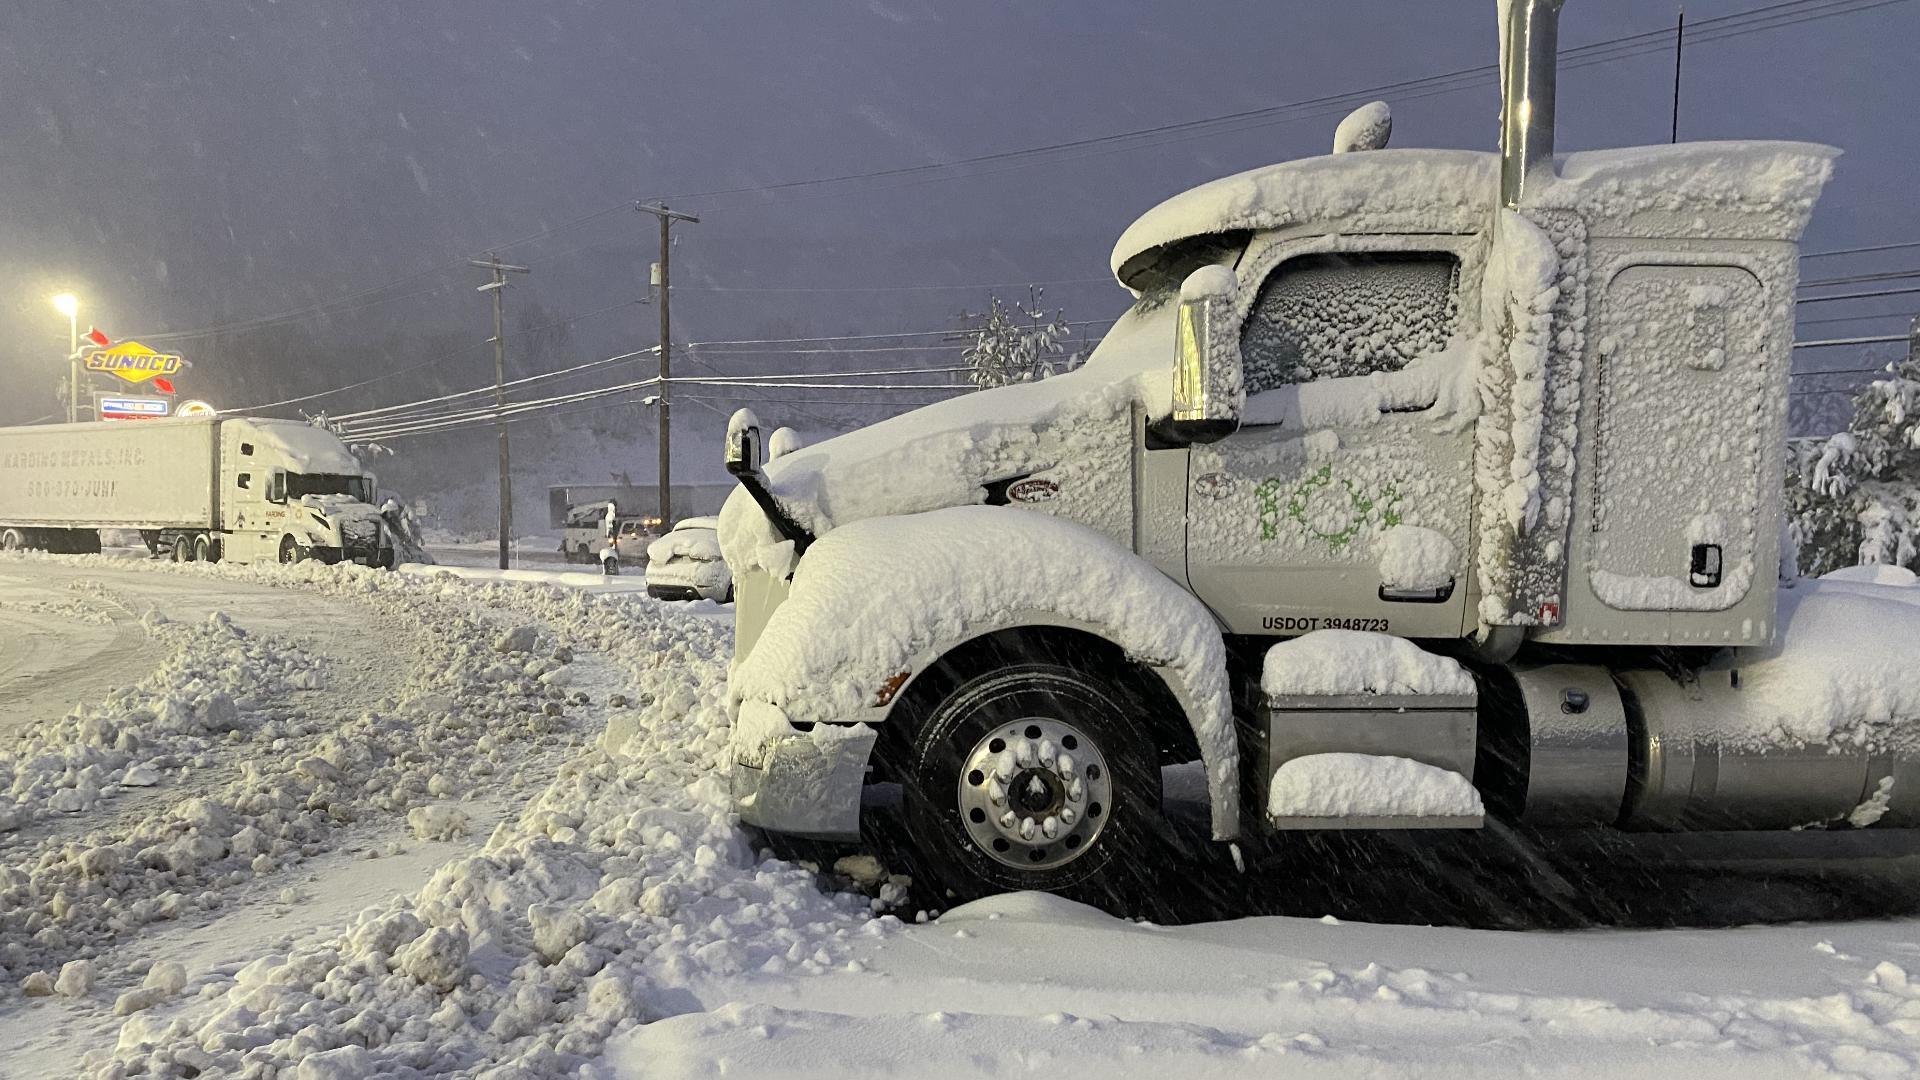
{"x":1679,"y":45}
{"x":498,"y":287}
{"x":667,"y":218}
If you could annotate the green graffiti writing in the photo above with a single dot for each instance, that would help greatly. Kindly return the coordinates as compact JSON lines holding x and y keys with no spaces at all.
{"x":1268,"y":494}
{"x":1363,"y":509}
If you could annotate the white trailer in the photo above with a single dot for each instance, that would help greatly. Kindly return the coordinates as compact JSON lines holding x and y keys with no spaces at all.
{"x":1417,"y":486}
{"x":201,"y":488}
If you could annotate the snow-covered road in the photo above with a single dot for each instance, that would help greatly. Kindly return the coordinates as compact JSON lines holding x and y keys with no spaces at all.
{"x":420,"y":825}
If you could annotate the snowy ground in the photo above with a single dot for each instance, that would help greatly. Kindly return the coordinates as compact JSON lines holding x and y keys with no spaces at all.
{"x":425,"y":824}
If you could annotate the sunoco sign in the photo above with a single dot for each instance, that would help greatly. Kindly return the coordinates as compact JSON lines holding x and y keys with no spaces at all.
{"x":133,"y":362}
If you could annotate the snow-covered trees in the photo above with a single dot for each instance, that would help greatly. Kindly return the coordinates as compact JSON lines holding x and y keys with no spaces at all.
{"x":1854,"y":496}
{"x":1012,"y":344}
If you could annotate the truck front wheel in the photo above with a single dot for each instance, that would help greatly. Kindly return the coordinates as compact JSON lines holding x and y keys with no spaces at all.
{"x":1033,"y":777}
{"x":289,"y":550}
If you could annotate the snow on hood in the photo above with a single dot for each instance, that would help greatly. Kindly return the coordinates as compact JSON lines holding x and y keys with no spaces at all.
{"x":1772,"y":185}
{"x":940,"y":455}
{"x":338,"y":507}
{"x":694,"y":543}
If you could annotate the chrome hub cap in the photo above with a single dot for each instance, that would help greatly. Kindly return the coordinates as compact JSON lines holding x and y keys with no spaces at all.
{"x":1034,"y":794}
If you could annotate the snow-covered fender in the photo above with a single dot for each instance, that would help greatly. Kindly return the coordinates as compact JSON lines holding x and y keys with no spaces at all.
{"x":875,"y":602}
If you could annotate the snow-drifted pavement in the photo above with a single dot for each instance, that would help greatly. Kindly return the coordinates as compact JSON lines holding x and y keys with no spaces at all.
{"x":617,"y":924}
{"x":1028,"y":984}
{"x":592,"y":909}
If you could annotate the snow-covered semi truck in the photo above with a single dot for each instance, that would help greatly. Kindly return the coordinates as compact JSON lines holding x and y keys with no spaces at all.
{"x":240,"y":489}
{"x":1488,"y":442}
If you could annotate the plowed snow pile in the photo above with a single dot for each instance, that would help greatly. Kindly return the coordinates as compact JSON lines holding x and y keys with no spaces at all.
{"x":621,"y":881}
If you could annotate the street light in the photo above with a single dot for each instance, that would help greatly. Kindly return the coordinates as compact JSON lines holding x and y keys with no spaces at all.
{"x":69,"y":305}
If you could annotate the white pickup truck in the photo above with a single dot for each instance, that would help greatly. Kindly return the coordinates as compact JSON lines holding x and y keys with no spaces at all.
{"x":1416,"y":487}
{"x":240,"y":489}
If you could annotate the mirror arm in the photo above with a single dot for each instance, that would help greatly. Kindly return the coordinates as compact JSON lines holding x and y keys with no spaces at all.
{"x":751,"y":478}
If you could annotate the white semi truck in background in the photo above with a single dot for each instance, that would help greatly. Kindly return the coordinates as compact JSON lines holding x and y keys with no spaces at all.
{"x":238,"y":489}
{"x":1417,"y":486}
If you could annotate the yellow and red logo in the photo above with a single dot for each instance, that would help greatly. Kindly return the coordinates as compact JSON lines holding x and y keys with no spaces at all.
{"x":134,"y":362}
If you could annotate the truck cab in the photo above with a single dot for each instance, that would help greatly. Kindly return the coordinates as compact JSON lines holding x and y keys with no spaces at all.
{"x":290,"y":491}
{"x":1508,"y":422}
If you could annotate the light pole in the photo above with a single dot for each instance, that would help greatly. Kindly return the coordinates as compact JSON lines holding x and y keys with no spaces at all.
{"x":69,"y":305}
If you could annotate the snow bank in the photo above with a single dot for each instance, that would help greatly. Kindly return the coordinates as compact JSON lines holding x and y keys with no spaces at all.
{"x":1024,"y":985}
{"x":1874,"y":574}
{"x":276,"y":783}
{"x":1357,"y":662}
{"x":621,"y":883}
{"x":1369,"y":785}
{"x":955,"y":574}
{"x":593,"y":581}
{"x":216,"y":683}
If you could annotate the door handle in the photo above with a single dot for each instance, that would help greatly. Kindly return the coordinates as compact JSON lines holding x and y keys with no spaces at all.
{"x":1418,"y":596}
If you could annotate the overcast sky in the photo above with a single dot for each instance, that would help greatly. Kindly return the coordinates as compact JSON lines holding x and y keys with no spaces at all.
{"x":187,"y":163}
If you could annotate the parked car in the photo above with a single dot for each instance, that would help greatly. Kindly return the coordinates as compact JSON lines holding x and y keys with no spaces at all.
{"x":685,"y":564}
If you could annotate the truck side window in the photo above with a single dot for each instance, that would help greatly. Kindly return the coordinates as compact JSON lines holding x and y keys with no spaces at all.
{"x":244,"y":480}
{"x":246,"y":448}
{"x":1331,"y":316}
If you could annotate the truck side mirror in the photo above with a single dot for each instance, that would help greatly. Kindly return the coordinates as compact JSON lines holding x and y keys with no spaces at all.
{"x":744,"y":452}
{"x":277,"y":486}
{"x":1207,"y":389}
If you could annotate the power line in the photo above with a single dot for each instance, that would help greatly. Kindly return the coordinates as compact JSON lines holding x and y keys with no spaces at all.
{"x":1769,"y":17}
{"x":893,"y":288}
{"x":1878,"y":339}
{"x":1869,"y":295}
{"x":870,"y":337}
{"x":730,"y":381}
{"x":576,"y":369}
{"x":489,"y":414}
{"x":1862,"y":250}
{"x":1861,"y":279}
{"x":723,"y":377}
{"x":1853,"y":318}
{"x":441,"y":359}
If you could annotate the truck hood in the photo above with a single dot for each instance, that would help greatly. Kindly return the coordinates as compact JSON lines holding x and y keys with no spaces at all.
{"x":326,"y":511}
{"x":944,"y":454}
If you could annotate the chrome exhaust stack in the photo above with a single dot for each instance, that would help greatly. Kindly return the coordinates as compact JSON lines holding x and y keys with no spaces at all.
{"x":1529,"y":44}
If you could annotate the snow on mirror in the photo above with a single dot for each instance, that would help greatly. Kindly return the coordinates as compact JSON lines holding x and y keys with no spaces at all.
{"x":743,"y":442}
{"x":1207,"y":388}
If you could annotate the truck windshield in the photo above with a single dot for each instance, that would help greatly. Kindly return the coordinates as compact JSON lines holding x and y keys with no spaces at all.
{"x":299,"y":484}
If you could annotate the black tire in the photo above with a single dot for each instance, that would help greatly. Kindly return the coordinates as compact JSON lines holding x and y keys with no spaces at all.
{"x":182,"y":549}
{"x":1104,"y":852}
{"x":203,"y":549}
{"x":290,"y":550}
{"x":12,"y":540}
